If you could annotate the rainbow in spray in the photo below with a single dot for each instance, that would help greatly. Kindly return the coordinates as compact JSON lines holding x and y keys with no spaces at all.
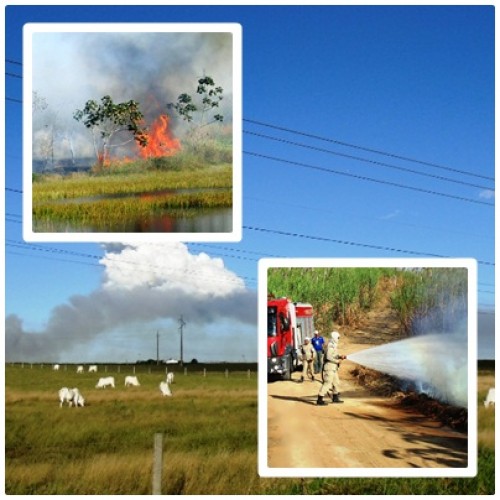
{"x":435,"y":363}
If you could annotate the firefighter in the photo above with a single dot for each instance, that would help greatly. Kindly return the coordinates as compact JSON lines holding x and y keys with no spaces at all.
{"x":308,"y":354}
{"x":331,"y":364}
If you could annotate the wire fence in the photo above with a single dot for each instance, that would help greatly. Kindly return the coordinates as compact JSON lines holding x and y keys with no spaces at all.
{"x":247,"y":370}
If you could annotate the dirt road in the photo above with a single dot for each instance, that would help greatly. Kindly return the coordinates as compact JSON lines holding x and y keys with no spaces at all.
{"x":365,"y":431}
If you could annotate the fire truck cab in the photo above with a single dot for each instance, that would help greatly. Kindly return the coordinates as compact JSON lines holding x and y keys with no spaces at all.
{"x":288,"y":323}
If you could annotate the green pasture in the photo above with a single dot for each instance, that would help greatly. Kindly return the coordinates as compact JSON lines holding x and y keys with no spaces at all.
{"x":209,"y":429}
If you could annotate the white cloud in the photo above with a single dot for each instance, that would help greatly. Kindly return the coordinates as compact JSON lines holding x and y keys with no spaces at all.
{"x":487,"y":194}
{"x":167,"y":266}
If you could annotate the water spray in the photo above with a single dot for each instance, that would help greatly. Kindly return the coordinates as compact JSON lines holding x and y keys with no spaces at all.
{"x":435,"y":363}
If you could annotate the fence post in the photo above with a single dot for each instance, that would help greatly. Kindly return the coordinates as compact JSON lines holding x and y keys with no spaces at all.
{"x":248,"y":373}
{"x":227,"y":372}
{"x":185,"y":371}
{"x":157,"y":463}
{"x":134,"y":369}
{"x":204,"y":372}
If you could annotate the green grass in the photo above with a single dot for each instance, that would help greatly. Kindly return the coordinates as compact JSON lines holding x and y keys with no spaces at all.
{"x":210,"y":438}
{"x":55,"y":187}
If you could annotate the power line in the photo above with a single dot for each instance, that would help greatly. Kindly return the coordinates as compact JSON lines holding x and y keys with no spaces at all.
{"x":11,"y":61}
{"x":380,"y":219}
{"x":13,"y":75}
{"x":370,"y":150}
{"x":352,"y":243}
{"x":13,"y":99}
{"x":178,"y":276}
{"x":366,"y":160}
{"x":369,"y":179}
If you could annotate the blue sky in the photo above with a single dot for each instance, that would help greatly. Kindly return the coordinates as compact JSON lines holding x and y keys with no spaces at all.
{"x":411,"y":82}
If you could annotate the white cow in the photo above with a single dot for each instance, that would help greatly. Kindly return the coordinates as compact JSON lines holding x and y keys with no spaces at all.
{"x":71,"y":396}
{"x":131,"y":380}
{"x":490,"y":398}
{"x":105,"y":382}
{"x":165,"y":389}
{"x":170,"y":377}
{"x":93,"y":368}
{"x":56,"y":368}
{"x":79,"y":369}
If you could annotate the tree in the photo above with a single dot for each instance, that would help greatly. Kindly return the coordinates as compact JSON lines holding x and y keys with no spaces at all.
{"x":210,"y":97}
{"x":106,"y":120}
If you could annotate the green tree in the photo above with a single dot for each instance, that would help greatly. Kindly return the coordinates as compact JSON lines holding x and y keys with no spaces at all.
{"x":106,"y":120}
{"x":209,"y":99}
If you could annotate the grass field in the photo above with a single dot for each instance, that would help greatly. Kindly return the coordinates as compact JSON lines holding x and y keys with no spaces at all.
{"x":209,"y":429}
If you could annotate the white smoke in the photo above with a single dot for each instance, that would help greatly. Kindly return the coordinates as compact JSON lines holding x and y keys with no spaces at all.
{"x":142,"y":284}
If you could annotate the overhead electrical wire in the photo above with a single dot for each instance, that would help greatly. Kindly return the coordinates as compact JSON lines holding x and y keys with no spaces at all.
{"x":365,"y":160}
{"x":39,"y":248}
{"x":370,"y":150}
{"x":352,"y":243}
{"x":365,"y":178}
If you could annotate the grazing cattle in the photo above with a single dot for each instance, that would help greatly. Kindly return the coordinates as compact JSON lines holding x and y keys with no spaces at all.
{"x":72,"y":396}
{"x":93,"y":368}
{"x":170,"y":377}
{"x":79,"y":369}
{"x":56,"y":367}
{"x":105,"y":382}
{"x":165,"y":389}
{"x":131,"y":380}
{"x":490,"y":398}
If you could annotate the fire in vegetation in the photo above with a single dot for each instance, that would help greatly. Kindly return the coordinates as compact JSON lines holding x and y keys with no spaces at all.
{"x":159,"y":140}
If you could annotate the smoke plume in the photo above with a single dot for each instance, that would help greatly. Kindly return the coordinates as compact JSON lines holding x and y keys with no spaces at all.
{"x":142,"y":283}
{"x":69,"y":68}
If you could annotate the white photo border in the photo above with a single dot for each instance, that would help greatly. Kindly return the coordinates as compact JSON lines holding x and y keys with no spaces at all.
{"x":472,"y":450}
{"x":235,"y":30}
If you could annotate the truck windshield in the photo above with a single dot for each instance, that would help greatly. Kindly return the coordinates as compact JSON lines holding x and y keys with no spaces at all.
{"x":271,"y":321}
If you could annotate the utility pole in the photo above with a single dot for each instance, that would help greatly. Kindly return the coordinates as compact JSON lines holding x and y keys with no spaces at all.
{"x":157,"y":347}
{"x":182,"y":324}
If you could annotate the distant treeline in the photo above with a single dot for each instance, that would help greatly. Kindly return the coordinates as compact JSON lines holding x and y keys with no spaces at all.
{"x":341,"y":296}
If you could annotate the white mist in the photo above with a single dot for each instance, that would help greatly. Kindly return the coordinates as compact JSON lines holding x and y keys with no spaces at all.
{"x":436,"y":363}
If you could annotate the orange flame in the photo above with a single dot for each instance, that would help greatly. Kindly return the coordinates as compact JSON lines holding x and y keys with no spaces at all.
{"x":160,"y":141}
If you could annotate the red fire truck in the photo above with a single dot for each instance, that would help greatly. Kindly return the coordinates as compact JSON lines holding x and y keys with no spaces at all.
{"x":288,"y":323}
